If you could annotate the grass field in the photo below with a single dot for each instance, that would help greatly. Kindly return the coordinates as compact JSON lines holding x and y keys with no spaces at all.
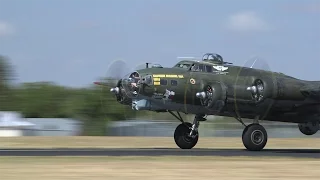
{"x":157,"y":168}
{"x":145,"y":142}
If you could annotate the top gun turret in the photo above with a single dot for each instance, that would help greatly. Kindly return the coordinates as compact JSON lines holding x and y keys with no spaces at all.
{"x":214,"y":58}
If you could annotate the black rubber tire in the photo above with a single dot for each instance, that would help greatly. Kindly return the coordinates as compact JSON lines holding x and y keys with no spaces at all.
{"x":181,"y":137}
{"x":308,"y":132}
{"x":250,"y":133}
{"x":245,"y":130}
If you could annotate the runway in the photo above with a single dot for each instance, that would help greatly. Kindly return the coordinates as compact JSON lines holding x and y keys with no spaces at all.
{"x":297,"y":153}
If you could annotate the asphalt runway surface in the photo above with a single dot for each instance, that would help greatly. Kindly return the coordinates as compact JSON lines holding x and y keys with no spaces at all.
{"x":297,"y":153}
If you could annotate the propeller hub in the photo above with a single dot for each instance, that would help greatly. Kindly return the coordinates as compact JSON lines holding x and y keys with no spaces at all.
{"x":201,"y":95}
{"x":115,"y":90}
{"x":253,"y":89}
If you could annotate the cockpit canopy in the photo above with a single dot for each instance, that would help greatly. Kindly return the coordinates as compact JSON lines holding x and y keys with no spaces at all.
{"x":210,"y":62}
{"x":213,"y":58}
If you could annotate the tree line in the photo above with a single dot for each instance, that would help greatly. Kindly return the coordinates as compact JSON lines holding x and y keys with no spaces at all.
{"x":93,"y":105}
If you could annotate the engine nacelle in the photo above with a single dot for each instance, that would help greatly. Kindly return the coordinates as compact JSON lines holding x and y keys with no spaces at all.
{"x":309,"y":128}
{"x":213,"y":96}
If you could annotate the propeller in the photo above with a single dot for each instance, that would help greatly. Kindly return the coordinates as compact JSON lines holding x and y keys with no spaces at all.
{"x":257,"y":62}
{"x":116,"y":70}
{"x":116,"y":80}
{"x":258,"y":87}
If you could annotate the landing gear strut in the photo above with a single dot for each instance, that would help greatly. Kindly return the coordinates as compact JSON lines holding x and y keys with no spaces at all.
{"x":254,"y":136}
{"x":186,"y":134}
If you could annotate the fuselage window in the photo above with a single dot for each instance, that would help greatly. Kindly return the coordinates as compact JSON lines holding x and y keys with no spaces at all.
{"x":174,"y":83}
{"x":163,"y":82}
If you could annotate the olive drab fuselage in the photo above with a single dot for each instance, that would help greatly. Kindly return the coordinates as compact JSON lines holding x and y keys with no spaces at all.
{"x":280,"y":96}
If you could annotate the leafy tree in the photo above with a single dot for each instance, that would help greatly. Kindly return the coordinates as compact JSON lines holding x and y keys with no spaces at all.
{"x":6,"y":74}
{"x":6,"y":71}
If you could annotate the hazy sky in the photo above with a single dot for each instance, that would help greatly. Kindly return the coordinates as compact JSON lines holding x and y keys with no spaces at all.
{"x":72,"y":42}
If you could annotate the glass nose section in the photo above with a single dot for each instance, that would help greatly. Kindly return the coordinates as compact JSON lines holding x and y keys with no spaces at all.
{"x":130,"y":83}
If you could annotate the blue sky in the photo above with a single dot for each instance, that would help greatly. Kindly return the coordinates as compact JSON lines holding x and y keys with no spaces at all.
{"x":72,"y":42}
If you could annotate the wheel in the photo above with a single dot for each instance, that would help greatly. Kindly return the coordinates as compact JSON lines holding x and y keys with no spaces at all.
{"x":246,"y":129}
{"x":254,"y":137}
{"x":182,"y":138}
{"x":309,"y":128}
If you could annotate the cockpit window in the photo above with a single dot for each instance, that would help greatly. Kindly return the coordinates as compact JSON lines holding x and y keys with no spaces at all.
{"x":198,"y":67}
{"x":183,"y":65}
{"x":202,"y":68}
{"x":209,"y":68}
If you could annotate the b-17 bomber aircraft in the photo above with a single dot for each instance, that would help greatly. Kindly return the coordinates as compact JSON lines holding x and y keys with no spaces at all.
{"x":210,"y":86}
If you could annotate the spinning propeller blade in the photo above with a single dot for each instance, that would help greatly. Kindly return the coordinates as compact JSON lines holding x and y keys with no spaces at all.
{"x":258,"y":87}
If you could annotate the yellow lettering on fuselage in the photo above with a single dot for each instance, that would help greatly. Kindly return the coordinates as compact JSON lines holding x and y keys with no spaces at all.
{"x":159,"y":75}
{"x":167,"y":76}
{"x":171,"y":76}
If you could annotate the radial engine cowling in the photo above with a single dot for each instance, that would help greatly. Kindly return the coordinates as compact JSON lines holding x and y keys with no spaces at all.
{"x":121,"y":93}
{"x":309,"y":128}
{"x":213,"y":96}
{"x":257,"y":90}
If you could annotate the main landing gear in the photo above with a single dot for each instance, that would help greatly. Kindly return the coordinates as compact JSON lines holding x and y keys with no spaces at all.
{"x":254,"y":136}
{"x":186,"y":135}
